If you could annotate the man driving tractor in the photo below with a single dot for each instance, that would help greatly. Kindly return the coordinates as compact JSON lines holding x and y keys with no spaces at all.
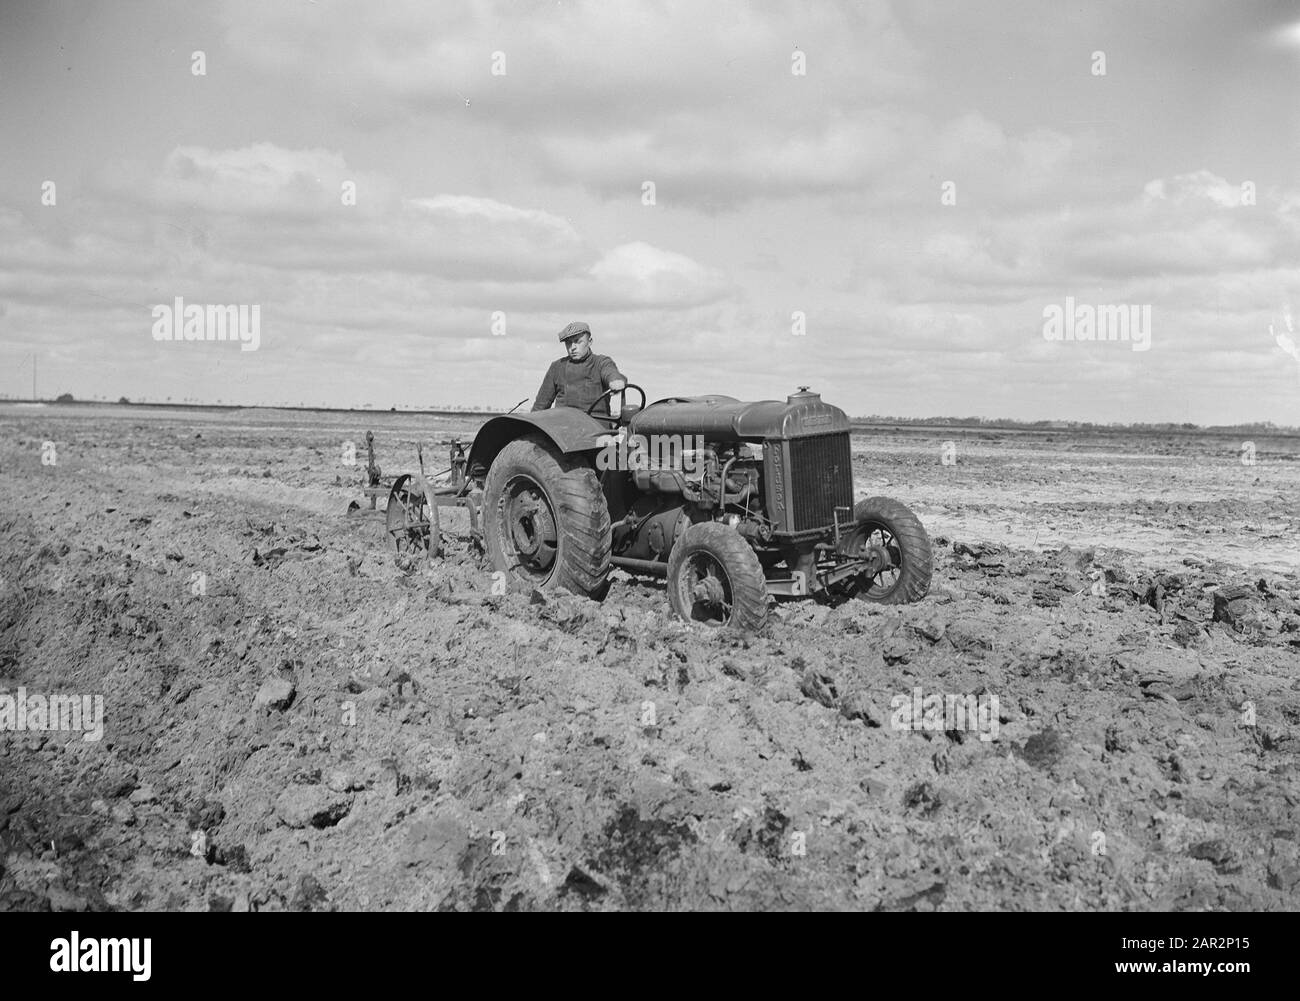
{"x":771,"y":513}
{"x":580,"y":378}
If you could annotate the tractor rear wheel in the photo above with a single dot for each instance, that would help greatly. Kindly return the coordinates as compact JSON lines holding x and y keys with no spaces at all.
{"x":545,"y":520}
{"x":899,"y":540}
{"x":714,"y":576}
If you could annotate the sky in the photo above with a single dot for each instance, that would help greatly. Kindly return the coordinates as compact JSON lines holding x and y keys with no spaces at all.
{"x":883,"y":201}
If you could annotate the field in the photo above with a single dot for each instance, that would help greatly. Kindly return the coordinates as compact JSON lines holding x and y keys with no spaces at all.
{"x":294,"y":721}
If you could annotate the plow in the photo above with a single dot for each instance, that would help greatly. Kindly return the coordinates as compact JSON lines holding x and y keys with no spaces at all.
{"x":411,"y":517}
{"x":411,"y":514}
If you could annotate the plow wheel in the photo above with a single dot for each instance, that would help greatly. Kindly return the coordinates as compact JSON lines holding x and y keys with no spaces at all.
{"x":408,"y":517}
{"x":714,"y":577}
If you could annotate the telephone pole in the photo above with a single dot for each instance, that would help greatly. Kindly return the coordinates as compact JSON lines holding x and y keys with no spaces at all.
{"x":33,"y":376}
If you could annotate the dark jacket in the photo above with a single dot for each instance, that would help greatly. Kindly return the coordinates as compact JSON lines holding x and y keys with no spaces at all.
{"x":577,"y":384}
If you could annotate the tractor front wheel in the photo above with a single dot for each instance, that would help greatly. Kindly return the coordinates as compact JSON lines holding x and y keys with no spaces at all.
{"x":895,"y":539}
{"x":714,"y":576}
{"x":545,"y":521}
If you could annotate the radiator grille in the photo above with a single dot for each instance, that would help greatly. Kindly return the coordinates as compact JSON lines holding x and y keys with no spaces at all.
{"x":821,"y":478}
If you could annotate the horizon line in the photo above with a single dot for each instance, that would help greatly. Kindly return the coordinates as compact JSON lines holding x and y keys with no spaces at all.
{"x":1043,"y":424}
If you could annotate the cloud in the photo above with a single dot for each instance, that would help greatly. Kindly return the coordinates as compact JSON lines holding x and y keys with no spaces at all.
{"x":259,"y":180}
{"x":586,"y":58}
{"x":328,"y":276}
{"x":1178,"y":237}
{"x":1200,"y":186}
{"x":647,"y":276}
{"x":302,"y":209}
{"x":875,"y":154}
{"x":1286,"y":36}
{"x":608,"y":95}
{"x":700,"y":99}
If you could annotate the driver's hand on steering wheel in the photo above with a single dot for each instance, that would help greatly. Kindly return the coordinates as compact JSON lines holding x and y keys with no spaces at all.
{"x":616,"y":397}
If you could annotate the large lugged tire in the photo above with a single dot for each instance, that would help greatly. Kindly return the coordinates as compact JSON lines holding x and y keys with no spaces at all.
{"x":886,"y":523}
{"x":545,"y":520}
{"x":714,"y":576}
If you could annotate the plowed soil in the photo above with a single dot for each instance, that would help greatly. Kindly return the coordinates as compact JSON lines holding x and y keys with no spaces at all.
{"x":294,"y":719}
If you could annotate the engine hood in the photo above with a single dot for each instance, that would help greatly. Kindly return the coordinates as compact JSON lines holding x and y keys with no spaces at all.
{"x":724,"y":418}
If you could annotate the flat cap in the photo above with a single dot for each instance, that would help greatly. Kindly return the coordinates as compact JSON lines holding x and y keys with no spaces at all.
{"x":574,"y":329}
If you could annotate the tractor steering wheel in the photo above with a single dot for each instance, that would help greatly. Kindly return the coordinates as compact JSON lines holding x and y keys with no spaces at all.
{"x":610,"y":392}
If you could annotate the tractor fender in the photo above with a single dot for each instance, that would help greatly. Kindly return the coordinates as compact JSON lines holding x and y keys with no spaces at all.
{"x":568,"y":429}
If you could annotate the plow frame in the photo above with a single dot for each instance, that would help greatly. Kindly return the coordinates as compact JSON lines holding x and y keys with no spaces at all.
{"x":412,"y":516}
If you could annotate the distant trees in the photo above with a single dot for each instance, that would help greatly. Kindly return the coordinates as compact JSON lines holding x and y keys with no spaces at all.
{"x":1260,"y":427}
{"x":65,"y":398}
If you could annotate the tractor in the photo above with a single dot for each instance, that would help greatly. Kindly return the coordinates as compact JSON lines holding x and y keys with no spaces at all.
{"x":731,"y":502}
